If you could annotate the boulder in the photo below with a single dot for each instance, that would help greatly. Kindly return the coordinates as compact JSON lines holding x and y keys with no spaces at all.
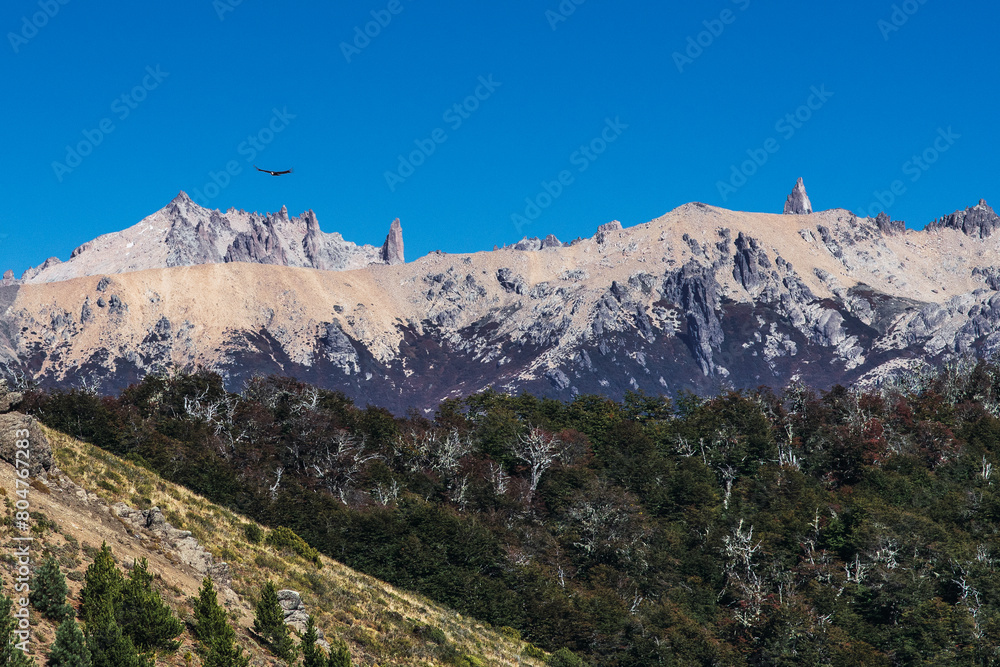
{"x":15,"y":427}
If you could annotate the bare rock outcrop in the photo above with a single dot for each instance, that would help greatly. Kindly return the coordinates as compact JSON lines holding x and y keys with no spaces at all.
{"x":606,"y":229}
{"x":979,"y":221}
{"x":392,"y":249}
{"x":20,"y":432}
{"x":798,"y":201}
{"x":889,"y":226}
{"x":182,"y":542}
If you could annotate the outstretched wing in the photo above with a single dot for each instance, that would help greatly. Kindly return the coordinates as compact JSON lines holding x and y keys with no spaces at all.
{"x":263,"y":170}
{"x":279,"y":173}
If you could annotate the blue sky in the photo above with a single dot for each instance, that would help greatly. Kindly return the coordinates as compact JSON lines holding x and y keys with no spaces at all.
{"x":592,"y":94}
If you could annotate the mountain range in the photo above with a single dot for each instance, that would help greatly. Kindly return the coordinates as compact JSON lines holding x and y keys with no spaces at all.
{"x":699,"y":299}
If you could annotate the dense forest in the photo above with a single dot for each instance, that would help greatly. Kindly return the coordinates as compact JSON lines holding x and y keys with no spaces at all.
{"x":840,"y":527}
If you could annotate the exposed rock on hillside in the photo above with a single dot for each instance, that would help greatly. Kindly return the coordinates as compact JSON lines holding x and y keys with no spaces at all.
{"x":798,"y":202}
{"x":979,"y":221}
{"x":22,"y":441}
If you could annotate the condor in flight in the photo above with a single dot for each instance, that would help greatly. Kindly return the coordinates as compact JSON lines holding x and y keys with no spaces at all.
{"x":273,"y":173}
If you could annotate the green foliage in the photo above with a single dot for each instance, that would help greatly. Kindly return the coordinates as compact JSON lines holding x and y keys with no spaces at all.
{"x":143,"y":615}
{"x":10,"y":654}
{"x":283,"y":537}
{"x":212,"y":629}
{"x":565,"y":658}
{"x":109,"y":646}
{"x":49,"y":591}
{"x":102,"y":587}
{"x":253,"y":533}
{"x":225,"y":652}
{"x":312,"y":655}
{"x":339,"y":655}
{"x":70,"y":647}
{"x":430,"y":633}
{"x":269,"y":623}
{"x":209,"y":617}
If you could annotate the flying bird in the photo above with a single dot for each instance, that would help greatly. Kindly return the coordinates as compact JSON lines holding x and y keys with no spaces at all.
{"x":273,"y":173}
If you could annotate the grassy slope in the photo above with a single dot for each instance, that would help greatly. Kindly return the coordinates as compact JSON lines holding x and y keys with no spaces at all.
{"x":376,"y":620}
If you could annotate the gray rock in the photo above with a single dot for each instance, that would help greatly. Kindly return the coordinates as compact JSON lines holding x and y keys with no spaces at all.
{"x":889,"y":226}
{"x":15,"y":427}
{"x":979,"y":221}
{"x":750,"y":264}
{"x":103,"y":283}
{"x":534,"y":243}
{"x":86,"y":312}
{"x":604,"y":231}
{"x":392,"y":249}
{"x":558,"y":379}
{"x":798,"y":201}
{"x":510,"y":281}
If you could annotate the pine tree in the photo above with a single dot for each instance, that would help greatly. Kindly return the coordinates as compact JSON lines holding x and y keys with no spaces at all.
{"x":49,"y":591}
{"x":339,"y":655}
{"x":10,"y":655}
{"x":269,"y":623}
{"x":70,"y":648}
{"x":102,"y":586}
{"x":225,"y":652}
{"x":144,"y":616}
{"x":209,"y":616}
{"x":109,"y":646}
{"x":217,"y":637}
{"x":312,"y":655}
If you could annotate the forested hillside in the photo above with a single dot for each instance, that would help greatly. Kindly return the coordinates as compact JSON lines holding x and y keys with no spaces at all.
{"x":754,"y":528}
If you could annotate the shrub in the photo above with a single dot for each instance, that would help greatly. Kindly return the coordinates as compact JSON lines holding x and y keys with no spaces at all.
{"x":286,"y":538}
{"x":253,"y":533}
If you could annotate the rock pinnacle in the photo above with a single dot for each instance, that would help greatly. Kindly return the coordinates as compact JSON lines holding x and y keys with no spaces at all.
{"x":392,"y":249}
{"x":798,"y":202}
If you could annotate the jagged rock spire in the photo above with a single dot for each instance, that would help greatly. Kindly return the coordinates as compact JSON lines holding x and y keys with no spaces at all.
{"x":392,"y":249}
{"x":798,"y":202}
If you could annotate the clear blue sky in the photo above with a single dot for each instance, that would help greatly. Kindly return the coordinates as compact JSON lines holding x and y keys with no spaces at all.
{"x":559,"y":83}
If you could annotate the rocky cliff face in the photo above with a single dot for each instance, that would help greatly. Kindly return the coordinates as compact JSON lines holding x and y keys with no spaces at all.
{"x":185,"y":234}
{"x":701,"y":299}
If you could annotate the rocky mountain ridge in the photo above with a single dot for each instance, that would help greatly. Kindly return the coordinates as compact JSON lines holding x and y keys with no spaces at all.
{"x":700,"y":299}
{"x":185,"y":234}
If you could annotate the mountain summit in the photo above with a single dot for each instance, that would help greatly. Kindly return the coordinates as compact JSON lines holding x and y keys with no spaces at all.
{"x":185,"y":234}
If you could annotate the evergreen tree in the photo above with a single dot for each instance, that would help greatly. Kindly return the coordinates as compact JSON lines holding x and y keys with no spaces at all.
{"x":49,"y":591}
{"x":217,"y":637}
{"x":10,"y":655}
{"x":269,"y":623}
{"x":70,"y":648}
{"x":339,"y":655}
{"x":209,"y":616}
{"x":312,"y":655}
{"x":109,"y":646}
{"x":225,"y":652}
{"x":144,"y":616}
{"x":102,"y":586}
